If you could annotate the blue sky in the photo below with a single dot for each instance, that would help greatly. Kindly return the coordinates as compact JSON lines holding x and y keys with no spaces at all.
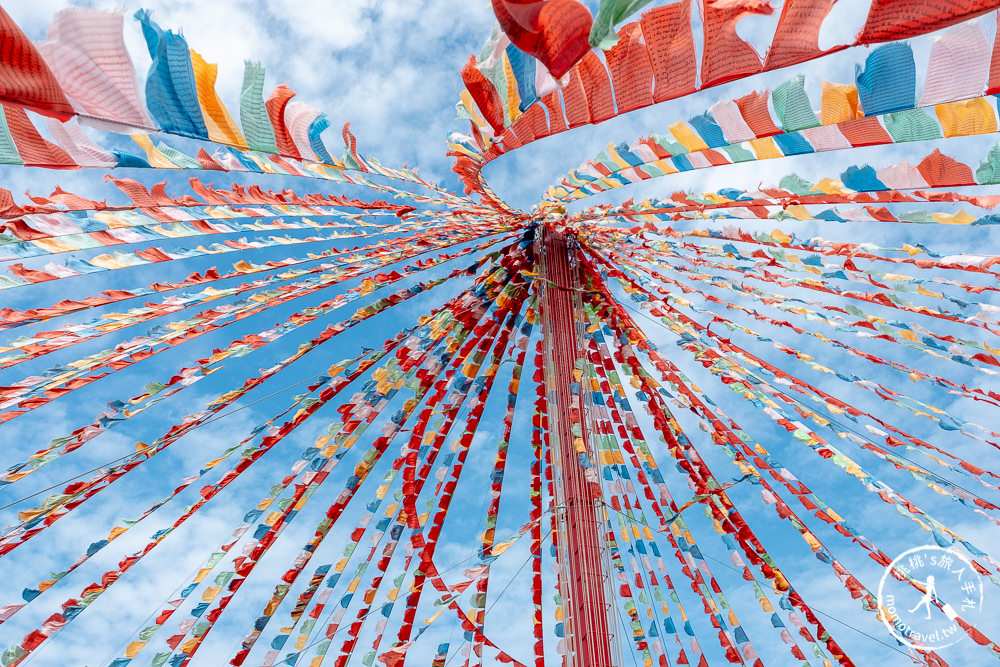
{"x":392,"y":70}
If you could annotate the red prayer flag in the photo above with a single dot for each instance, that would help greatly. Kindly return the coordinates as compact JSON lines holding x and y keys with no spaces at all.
{"x":25,"y":79}
{"x":556,"y":32}
{"x":891,"y":20}
{"x":670,"y":44}
{"x":725,"y":56}
{"x":31,"y":146}
{"x":597,"y":84}
{"x":575,"y":100}
{"x":940,"y":170}
{"x":485,"y":95}
{"x":796,"y":39}
{"x":275,"y":104}
{"x":631,"y":70}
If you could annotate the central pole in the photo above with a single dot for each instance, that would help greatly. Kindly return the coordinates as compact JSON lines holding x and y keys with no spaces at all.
{"x":587,"y":629}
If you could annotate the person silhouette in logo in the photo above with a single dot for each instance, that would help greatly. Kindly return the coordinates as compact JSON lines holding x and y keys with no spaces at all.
{"x":929,"y":595}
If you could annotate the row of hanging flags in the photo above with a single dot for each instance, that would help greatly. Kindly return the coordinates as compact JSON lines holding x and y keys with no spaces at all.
{"x":82,"y":75}
{"x":406,"y":411}
{"x":517,"y":92}
{"x":877,"y":109}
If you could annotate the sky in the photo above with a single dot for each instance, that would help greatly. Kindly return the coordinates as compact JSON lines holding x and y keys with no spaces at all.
{"x":391,"y":69}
